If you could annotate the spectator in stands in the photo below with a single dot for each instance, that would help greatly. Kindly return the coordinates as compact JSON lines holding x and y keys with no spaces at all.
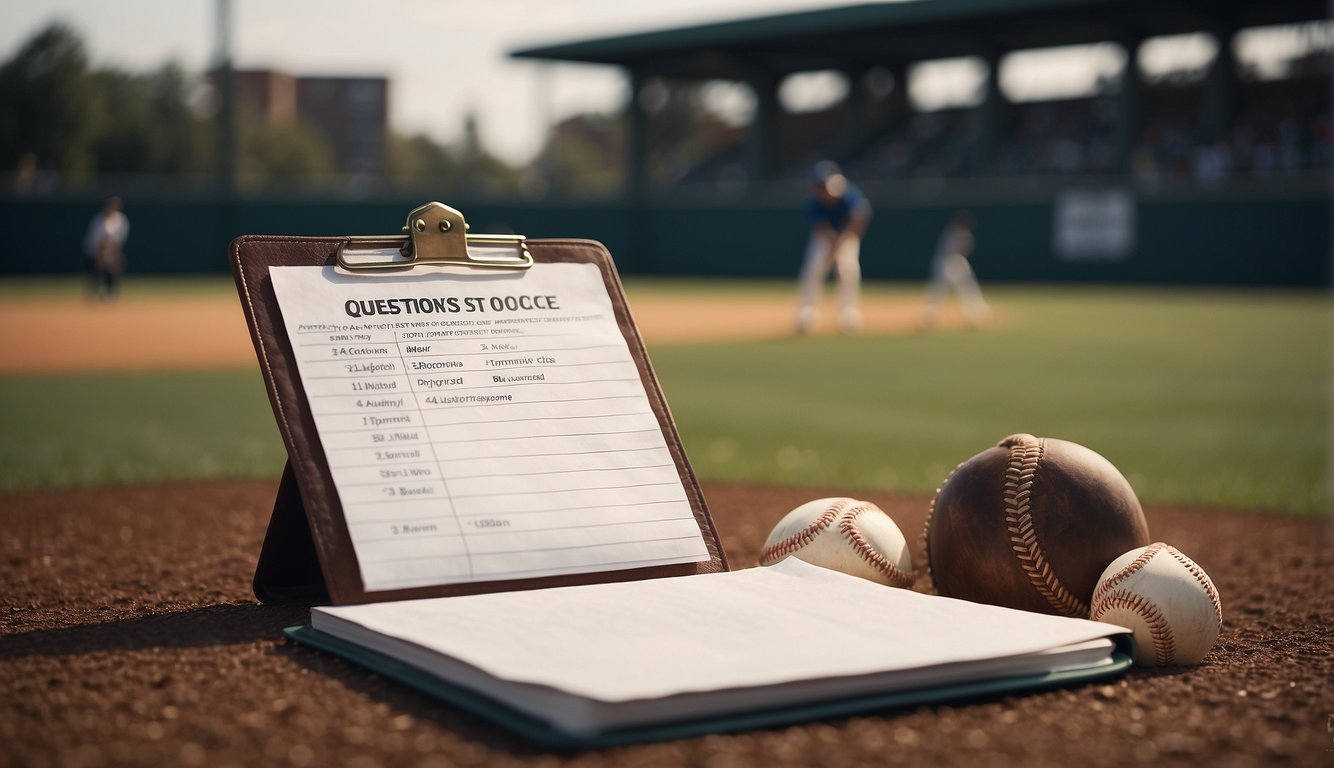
{"x":105,"y":247}
{"x":838,"y":213}
{"x":950,"y":271}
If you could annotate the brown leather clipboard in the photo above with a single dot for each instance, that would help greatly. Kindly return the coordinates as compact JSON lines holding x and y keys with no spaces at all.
{"x":307,"y":555}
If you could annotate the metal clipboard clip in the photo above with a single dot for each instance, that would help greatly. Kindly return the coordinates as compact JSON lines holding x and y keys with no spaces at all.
{"x":435,"y":235}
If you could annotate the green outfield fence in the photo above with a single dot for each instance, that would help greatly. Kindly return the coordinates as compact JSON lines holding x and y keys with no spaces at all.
{"x":1277,"y":233}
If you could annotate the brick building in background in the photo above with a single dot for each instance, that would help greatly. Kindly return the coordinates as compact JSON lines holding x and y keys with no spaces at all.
{"x":351,"y":113}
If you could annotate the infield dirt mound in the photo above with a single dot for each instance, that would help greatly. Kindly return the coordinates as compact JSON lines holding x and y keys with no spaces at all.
{"x":129,"y":636}
{"x":162,"y":333}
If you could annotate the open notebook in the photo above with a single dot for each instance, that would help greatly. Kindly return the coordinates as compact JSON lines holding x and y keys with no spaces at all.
{"x":608,"y":663}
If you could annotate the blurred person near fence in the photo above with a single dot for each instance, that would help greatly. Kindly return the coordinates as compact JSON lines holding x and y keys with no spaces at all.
{"x":838,"y":213}
{"x":950,"y":271}
{"x":105,"y":247}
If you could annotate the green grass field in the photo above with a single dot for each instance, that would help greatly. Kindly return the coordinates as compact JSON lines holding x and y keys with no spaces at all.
{"x":1199,"y":397}
{"x":1202,"y":397}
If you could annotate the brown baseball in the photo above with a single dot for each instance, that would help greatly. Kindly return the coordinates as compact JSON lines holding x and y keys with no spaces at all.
{"x":1031,"y":524}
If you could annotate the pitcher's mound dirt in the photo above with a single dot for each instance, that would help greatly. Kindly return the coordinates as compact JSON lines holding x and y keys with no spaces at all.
{"x":129,"y":636}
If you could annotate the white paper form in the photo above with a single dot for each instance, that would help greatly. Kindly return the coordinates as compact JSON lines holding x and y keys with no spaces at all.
{"x":484,"y":427}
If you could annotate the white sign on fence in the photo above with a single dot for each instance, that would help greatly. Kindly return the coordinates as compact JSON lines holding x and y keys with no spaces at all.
{"x":1094,"y":225}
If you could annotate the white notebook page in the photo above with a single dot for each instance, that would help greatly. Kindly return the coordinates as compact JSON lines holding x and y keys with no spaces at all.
{"x":790,"y":632}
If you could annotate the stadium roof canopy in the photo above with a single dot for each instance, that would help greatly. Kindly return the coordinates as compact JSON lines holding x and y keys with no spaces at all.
{"x":861,"y":36}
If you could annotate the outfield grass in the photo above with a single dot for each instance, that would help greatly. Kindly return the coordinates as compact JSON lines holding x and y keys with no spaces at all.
{"x":1199,"y":397}
{"x":132,"y":428}
{"x":1203,"y":397}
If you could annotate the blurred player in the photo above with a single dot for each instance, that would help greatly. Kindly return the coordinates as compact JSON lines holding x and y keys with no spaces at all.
{"x":105,"y":246}
{"x":950,"y":270}
{"x":838,"y":213}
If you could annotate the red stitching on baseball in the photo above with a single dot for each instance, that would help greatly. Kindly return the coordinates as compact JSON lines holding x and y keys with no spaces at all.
{"x":1131,"y":568}
{"x":1164,"y":644}
{"x":847,"y":525}
{"x":1025,"y":458}
{"x":1202,"y":578}
{"x":784,"y":547}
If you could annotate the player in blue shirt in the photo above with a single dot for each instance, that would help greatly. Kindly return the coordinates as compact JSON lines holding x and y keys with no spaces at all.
{"x":838,"y":213}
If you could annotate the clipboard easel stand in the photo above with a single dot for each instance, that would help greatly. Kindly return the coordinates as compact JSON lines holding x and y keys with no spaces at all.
{"x":307,"y":555}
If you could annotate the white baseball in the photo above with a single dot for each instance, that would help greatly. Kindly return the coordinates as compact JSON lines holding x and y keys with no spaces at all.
{"x":1167,"y":600}
{"x":847,"y":535}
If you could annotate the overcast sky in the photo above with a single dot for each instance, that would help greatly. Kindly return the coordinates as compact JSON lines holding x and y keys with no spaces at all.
{"x":443,"y":57}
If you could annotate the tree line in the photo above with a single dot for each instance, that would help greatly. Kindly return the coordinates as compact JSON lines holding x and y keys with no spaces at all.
{"x":69,"y":121}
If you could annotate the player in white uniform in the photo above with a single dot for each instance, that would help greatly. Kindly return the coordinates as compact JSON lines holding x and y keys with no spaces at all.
{"x":838,"y":213}
{"x":105,"y":246}
{"x":950,"y":270}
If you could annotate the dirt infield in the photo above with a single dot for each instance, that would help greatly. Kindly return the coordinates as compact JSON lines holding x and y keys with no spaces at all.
{"x":209,"y":331}
{"x":128,"y":636}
